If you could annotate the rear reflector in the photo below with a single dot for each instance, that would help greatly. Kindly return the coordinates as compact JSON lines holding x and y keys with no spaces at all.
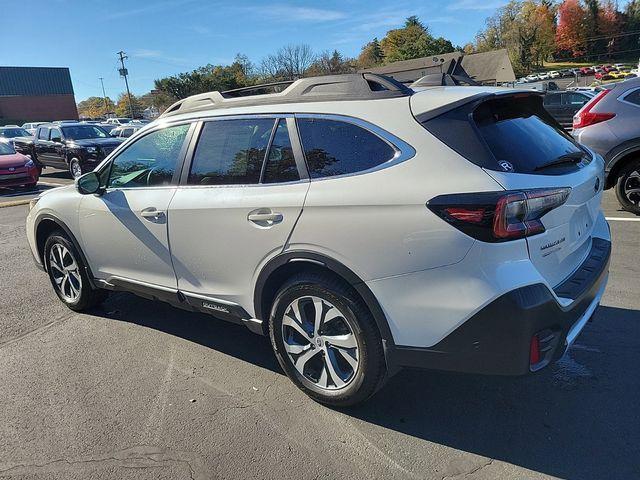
{"x":534,"y":350}
{"x":585,"y":117}
{"x":499,"y":216}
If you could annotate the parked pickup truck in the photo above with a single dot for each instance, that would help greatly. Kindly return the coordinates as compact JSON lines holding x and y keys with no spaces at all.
{"x":77,"y":147}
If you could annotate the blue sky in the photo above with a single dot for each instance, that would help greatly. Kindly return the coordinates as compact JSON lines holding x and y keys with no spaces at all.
{"x":165,"y":37}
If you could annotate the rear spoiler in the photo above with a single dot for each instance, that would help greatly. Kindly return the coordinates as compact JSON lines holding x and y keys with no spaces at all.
{"x":476,"y":100}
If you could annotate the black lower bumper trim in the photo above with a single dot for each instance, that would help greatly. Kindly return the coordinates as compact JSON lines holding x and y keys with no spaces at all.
{"x":496,"y":339}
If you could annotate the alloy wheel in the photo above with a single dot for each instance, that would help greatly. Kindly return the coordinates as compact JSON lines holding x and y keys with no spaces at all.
{"x":320,"y":343}
{"x":65,"y":272}
{"x":632,"y":187}
{"x":75,"y":168}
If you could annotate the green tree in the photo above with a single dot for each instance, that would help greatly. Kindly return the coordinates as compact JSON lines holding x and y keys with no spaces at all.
{"x":95,"y":107}
{"x":526,"y":28}
{"x":412,"y":41}
{"x":122,"y":106}
{"x":371,"y":55}
{"x":331,"y":63}
{"x":632,"y":24}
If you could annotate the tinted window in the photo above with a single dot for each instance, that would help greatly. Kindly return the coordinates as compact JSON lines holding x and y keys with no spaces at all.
{"x":55,"y":133}
{"x":552,"y":99}
{"x":231,"y":152}
{"x":149,"y":161}
{"x":281,"y":164}
{"x":43,"y":133}
{"x":577,"y":99}
{"x":14,"y":132}
{"x":633,"y":97}
{"x":6,"y":148}
{"x":83,"y":132}
{"x":508,"y":123}
{"x":333,"y":147}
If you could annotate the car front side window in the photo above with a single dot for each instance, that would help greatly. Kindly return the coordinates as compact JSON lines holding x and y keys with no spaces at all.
{"x":150,"y":161}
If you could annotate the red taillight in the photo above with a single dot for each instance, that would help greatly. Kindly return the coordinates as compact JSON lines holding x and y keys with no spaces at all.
{"x":466,"y":214}
{"x":534,"y":350}
{"x":499,"y":216}
{"x":585,"y":117}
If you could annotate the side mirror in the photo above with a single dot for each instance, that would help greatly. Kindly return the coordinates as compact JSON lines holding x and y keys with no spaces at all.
{"x":88,"y":183}
{"x":56,"y":139}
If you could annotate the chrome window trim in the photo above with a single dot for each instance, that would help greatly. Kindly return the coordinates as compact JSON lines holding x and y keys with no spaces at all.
{"x":403,"y":151}
{"x":623,"y":98}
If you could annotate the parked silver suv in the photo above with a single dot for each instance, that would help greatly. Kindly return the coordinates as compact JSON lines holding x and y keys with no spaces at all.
{"x":610,"y":125}
{"x":362,"y":226}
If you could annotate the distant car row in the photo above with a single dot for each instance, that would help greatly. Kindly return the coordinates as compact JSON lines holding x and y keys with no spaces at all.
{"x":617,"y":70}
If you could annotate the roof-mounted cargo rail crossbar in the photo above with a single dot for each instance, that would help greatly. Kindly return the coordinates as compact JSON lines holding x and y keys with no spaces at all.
{"x":352,"y":86}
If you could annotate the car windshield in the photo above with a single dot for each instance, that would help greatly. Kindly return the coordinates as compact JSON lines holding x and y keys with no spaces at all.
{"x":82,"y":132}
{"x":14,"y":132}
{"x":6,"y":148}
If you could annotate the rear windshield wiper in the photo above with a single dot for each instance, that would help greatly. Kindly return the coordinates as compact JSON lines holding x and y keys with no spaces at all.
{"x":567,"y":158}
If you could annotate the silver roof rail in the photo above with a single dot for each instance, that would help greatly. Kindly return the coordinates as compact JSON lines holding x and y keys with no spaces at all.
{"x":352,"y":86}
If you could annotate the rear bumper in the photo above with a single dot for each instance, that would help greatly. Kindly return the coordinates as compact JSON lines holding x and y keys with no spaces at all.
{"x":496,"y":340}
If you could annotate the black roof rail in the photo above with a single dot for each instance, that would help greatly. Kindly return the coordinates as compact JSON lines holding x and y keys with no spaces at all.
{"x":351,"y":86}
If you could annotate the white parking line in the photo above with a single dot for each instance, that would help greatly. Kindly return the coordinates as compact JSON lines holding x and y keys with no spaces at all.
{"x":622,"y":219}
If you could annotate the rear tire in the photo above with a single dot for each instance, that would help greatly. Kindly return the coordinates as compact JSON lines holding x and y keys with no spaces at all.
{"x":336,"y":357}
{"x":628,"y":187}
{"x":68,"y":274}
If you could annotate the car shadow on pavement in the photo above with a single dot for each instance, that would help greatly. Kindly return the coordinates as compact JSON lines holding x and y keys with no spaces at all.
{"x":17,"y":192}
{"x":579,"y":419}
{"x":228,"y":338}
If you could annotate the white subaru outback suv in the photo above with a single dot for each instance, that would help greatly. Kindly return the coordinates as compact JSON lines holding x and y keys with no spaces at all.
{"x":361,"y":225}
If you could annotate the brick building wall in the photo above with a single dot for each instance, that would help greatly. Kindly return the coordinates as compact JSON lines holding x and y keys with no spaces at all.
{"x":21,"y":109}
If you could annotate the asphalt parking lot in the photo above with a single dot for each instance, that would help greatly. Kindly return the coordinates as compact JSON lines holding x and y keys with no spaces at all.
{"x":137,"y":389}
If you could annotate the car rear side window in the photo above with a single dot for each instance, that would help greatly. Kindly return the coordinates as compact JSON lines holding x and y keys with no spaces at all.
{"x":43,"y":133}
{"x":281,"y":164}
{"x":333,"y":147}
{"x":231,"y":152}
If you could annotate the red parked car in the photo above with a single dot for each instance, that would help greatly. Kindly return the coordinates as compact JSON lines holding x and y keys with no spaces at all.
{"x":586,"y":71}
{"x":603,"y":76}
{"x":16,"y":169}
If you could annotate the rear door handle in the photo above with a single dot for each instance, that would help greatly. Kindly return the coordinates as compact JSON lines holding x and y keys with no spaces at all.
{"x":265,"y":217}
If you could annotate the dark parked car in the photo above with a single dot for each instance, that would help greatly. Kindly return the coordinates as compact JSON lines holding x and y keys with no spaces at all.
{"x":563,"y":105}
{"x":77,"y":147}
{"x":12,"y":133}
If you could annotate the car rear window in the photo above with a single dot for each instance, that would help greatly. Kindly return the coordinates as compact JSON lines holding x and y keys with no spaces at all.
{"x":510,"y":133}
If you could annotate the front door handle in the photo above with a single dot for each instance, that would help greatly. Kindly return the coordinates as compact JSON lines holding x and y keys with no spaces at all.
{"x":264,"y":217}
{"x":151,"y":213}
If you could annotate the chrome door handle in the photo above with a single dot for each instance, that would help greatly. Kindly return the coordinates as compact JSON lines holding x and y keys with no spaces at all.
{"x":265,"y":218}
{"x":151,"y":213}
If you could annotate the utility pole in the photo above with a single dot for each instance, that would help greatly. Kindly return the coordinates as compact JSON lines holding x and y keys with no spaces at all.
{"x":104,"y":96}
{"x":123,"y":73}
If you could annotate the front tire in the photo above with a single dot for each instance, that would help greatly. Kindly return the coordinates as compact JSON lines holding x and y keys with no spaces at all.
{"x":68,"y":274}
{"x":628,"y":187}
{"x":75,"y":168}
{"x":326,"y":340}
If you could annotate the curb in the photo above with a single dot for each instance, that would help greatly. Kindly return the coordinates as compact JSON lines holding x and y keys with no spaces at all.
{"x":14,"y":203}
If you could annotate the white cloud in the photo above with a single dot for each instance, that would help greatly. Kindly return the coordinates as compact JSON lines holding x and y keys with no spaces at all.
{"x":476,"y":5}
{"x":299,"y":14}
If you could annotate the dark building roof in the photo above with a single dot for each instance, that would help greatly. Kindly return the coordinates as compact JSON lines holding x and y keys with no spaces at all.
{"x":35,"y":81}
{"x":486,"y":68}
